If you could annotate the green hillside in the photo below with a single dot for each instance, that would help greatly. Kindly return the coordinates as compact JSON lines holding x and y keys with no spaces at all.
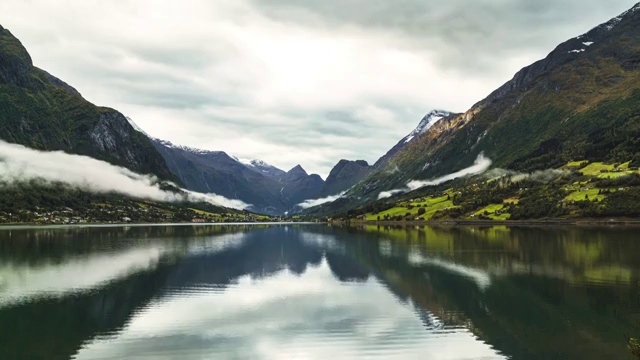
{"x":581,"y":102}
{"x":42,"y":112}
{"x":590,"y":190}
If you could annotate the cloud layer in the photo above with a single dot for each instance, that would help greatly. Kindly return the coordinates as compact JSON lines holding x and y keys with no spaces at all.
{"x":481,"y":165}
{"x":287,"y":81}
{"x":315,"y":202}
{"x":20,"y":164}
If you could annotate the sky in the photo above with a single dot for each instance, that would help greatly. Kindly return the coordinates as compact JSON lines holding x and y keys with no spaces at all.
{"x":292,"y":81}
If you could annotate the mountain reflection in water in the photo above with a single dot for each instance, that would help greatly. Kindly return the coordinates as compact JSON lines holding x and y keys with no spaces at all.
{"x":314,"y":291}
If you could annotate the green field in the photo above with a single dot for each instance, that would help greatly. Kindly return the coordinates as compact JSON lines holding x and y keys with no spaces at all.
{"x":431,"y":206}
{"x":595,"y":169}
{"x":576,"y":164}
{"x":491,"y":212}
{"x":580,"y":195}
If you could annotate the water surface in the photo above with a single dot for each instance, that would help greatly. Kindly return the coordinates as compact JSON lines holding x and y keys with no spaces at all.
{"x":318,"y":292}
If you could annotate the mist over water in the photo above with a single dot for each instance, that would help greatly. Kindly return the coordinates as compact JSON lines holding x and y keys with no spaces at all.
{"x":20,"y":164}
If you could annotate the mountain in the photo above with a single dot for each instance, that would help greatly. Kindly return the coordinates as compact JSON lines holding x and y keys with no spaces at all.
{"x":344,"y":175}
{"x":41,"y":111}
{"x":425,"y":124}
{"x":263,"y":167}
{"x":270,"y":190}
{"x":581,"y":102}
{"x":299,"y":186}
{"x":216,"y":172}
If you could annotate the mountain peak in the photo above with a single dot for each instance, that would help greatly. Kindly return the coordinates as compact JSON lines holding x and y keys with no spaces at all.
{"x":169,"y":144}
{"x":297,"y":170}
{"x":426,"y":123}
{"x":262,"y":167}
{"x":616,"y":20}
{"x":15,"y":62}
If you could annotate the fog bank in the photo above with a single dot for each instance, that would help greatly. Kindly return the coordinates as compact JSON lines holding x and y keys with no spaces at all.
{"x":21,"y":164}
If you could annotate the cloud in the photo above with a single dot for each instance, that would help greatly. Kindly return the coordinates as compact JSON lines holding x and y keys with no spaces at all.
{"x":317,"y":81}
{"x":543,"y":176}
{"x":390,"y":193}
{"x":315,"y":202}
{"x":20,"y":164}
{"x":481,"y":165}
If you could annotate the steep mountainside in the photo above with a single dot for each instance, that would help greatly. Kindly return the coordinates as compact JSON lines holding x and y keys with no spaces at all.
{"x":344,"y":175}
{"x":264,"y":168}
{"x":42,"y":112}
{"x":216,"y":172}
{"x":425,"y":124}
{"x":269,"y":189}
{"x":582,"y":102}
{"x":298,"y":186}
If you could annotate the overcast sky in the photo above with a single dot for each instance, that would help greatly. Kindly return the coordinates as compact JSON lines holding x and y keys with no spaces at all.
{"x":286,"y":81}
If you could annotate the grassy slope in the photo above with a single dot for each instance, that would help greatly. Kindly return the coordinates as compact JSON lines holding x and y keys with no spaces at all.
{"x":588,"y":196}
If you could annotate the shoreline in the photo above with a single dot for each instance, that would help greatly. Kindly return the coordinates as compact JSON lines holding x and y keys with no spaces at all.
{"x":9,"y":226}
{"x":546,"y":222}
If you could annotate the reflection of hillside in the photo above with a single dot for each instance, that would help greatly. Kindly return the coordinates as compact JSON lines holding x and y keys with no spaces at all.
{"x":527,"y":292}
{"x":256,"y":256}
{"x":56,"y":327}
{"x":52,"y":321}
{"x":522,"y":314}
{"x":50,"y":244}
{"x":573,"y":254}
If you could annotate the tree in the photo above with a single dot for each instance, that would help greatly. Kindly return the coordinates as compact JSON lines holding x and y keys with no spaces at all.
{"x":634,"y":347}
{"x":421,"y":211}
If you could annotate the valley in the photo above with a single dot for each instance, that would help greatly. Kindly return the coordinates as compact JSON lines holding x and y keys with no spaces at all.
{"x":337,"y":179}
{"x":561,"y":140}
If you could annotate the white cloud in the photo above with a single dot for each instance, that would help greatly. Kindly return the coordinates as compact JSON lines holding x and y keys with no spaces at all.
{"x":481,"y":165}
{"x":20,"y":164}
{"x":315,"y":202}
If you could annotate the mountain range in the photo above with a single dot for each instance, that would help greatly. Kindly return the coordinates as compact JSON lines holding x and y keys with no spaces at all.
{"x":581,"y":102}
{"x":42,"y":112}
{"x":270,"y":190}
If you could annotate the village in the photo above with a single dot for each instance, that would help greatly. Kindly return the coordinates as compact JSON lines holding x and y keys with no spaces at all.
{"x":123,"y":214}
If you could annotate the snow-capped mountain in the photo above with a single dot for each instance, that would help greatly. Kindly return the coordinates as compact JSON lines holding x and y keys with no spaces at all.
{"x":170,"y":145}
{"x":270,"y":190}
{"x":262,"y":167}
{"x":425,"y":124}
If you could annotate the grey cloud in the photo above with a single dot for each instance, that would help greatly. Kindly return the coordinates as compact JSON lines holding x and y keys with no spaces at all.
{"x":469,"y":36}
{"x":319,"y":80}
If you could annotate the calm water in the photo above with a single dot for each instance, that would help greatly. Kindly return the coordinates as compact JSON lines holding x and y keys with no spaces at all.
{"x":317,"y":292}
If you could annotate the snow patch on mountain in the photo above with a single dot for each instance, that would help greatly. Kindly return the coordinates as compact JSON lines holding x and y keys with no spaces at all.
{"x":426,"y":123}
{"x":135,"y":126}
{"x":259,"y":165}
{"x":615,"y":21}
{"x":169,"y":144}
